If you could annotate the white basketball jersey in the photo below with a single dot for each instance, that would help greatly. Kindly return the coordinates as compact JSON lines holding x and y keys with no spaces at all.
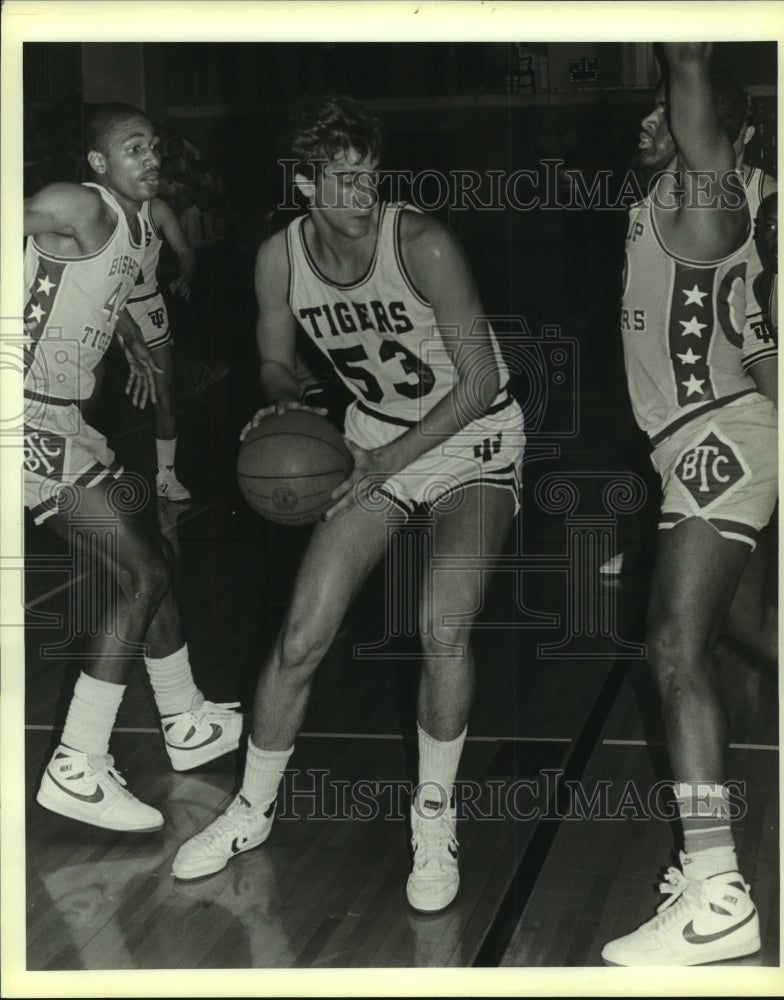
{"x":379,"y":332}
{"x":71,"y":309}
{"x":683,"y":327}
{"x":147,"y":283}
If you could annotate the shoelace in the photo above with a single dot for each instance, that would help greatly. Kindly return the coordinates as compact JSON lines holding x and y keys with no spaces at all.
{"x":432,"y":837}
{"x":674,"y":886}
{"x":225,"y":824}
{"x":106,"y":768}
{"x":213,"y":708}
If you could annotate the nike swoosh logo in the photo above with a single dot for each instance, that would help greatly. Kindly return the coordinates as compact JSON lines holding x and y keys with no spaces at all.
{"x":214,"y":735}
{"x":95,"y":796}
{"x":237,"y":845}
{"x":694,"y":938}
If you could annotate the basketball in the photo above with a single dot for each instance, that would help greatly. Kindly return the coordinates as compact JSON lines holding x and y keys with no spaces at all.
{"x":289,"y":464}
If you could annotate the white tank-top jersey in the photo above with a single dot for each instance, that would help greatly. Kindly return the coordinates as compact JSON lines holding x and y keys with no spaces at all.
{"x":682,"y":323}
{"x":147,"y":283}
{"x":762,"y":315}
{"x":71,"y":309}
{"x":379,"y":332}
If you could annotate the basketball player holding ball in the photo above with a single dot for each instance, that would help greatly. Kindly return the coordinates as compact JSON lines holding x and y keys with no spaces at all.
{"x":387,"y":295}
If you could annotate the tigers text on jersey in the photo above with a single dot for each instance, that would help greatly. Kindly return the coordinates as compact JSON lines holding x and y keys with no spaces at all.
{"x":683,"y":327}
{"x":71,"y":309}
{"x":147,"y":282}
{"x":379,"y":333}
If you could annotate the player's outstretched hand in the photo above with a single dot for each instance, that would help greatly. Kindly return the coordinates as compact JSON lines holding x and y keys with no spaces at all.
{"x":141,"y":380}
{"x":181,"y":287}
{"x":280,"y":407}
{"x":370,"y":471}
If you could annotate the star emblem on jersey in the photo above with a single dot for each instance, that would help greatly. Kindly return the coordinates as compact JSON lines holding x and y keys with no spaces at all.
{"x":692,"y":316}
{"x":45,"y":285}
{"x":693,"y":295}
{"x":711,"y":469}
{"x":694,"y":385}
{"x":692,"y":327}
{"x":689,"y":358}
{"x":36,"y":313}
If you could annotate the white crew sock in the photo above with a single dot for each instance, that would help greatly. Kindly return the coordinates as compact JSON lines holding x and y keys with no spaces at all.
{"x":172,"y":683}
{"x":263,"y":771}
{"x":438,"y":763}
{"x":91,"y":715}
{"x":165,"y":450}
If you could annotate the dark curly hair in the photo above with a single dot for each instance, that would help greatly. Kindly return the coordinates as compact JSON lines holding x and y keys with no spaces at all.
{"x":323,"y":128}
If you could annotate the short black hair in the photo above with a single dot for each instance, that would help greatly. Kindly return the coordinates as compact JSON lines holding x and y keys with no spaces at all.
{"x":102,"y":121}
{"x":325,"y":127}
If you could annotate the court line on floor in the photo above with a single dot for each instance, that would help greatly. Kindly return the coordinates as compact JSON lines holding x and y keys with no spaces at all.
{"x":33,"y":727}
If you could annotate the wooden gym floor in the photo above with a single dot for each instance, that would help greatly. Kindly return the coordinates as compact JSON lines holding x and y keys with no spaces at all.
{"x":544,"y":882}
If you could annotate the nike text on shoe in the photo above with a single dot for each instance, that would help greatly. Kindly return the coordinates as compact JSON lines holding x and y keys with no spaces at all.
{"x":434,"y":878}
{"x":168,"y":486}
{"x":240,"y":828}
{"x":713,"y":920}
{"x":196,"y":737}
{"x":90,"y":790}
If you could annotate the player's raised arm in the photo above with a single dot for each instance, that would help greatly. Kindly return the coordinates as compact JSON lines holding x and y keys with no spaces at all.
{"x":61,"y":208}
{"x":711,"y":218}
{"x":694,"y":122}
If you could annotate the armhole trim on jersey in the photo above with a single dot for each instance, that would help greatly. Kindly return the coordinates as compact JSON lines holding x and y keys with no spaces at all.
{"x":112,"y":202}
{"x":296,"y":224}
{"x":742,"y":247}
{"x":56,"y":258}
{"x":399,"y":258}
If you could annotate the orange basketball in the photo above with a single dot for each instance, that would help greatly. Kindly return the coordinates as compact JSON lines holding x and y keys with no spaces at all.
{"x":289,"y":464}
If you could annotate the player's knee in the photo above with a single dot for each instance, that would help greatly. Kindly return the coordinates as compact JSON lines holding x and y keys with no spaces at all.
{"x":301,"y":648}
{"x":439,"y":638}
{"x":148,"y":577}
{"x":675,"y":655}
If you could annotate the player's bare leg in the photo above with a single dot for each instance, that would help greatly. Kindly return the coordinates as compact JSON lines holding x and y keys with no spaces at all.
{"x":165,"y":416}
{"x":167,"y":485}
{"x":479,"y":529}
{"x":141,"y":616}
{"x":80,"y":781}
{"x":695,"y":577}
{"x":340,"y":555}
{"x":752,"y":618}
